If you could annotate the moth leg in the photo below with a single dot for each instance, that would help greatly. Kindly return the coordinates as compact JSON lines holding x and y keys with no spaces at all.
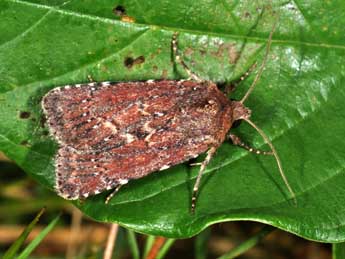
{"x":195,"y":164}
{"x":232,"y":87}
{"x":174,"y":44}
{"x":111,"y":195}
{"x":238,"y":142}
{"x":210,"y":154}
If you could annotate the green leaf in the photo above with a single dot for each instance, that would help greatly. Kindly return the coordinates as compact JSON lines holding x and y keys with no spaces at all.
{"x":298,"y":103}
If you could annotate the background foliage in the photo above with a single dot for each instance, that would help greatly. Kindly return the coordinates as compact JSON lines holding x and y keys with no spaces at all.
{"x":298,"y":103}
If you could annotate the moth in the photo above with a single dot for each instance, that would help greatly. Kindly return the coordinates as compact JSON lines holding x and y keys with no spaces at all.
{"x":110,"y":133}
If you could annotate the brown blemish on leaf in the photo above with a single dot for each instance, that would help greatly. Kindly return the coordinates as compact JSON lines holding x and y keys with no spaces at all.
{"x":227,"y":49}
{"x":188,"y":52}
{"x":164,"y":74}
{"x":154,"y":54}
{"x":202,"y":52}
{"x":247,"y":15}
{"x":104,"y":68}
{"x":127,"y":18}
{"x":130,"y":62}
{"x":233,"y":54}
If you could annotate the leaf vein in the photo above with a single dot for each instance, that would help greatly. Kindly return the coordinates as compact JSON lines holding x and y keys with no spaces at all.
{"x":25,"y":32}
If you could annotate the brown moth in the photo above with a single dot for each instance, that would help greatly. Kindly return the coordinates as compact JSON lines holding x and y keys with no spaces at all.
{"x":109,"y":133}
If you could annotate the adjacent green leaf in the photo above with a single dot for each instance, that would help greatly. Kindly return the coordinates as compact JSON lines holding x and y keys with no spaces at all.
{"x":298,"y":103}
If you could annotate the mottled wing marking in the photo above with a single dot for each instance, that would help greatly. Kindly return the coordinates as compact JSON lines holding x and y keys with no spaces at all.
{"x":111,"y":132}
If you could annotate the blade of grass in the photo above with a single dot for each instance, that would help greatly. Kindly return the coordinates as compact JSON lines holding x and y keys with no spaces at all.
{"x":200,"y":245}
{"x":148,"y":244}
{"x":133,"y":244}
{"x":338,"y":251}
{"x":112,"y":236}
{"x":28,"y":250}
{"x":77,"y":218}
{"x":12,"y":209}
{"x":156,"y":247}
{"x":12,"y":251}
{"x":165,"y":248}
{"x":248,"y":244}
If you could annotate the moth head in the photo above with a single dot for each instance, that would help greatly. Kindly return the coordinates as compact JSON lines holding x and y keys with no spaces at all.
{"x":239,"y":111}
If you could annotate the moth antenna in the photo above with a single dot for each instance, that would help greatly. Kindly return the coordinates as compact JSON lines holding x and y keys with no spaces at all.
{"x":261,"y":69}
{"x":263,"y":135}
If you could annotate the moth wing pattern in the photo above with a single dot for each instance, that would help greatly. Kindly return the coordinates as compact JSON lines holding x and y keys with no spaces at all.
{"x":109,"y":133}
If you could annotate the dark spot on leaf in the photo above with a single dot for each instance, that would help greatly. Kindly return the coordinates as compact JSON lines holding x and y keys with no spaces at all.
{"x":24,"y":143}
{"x":202,"y":52}
{"x":43,"y":121}
{"x":24,"y":115}
{"x":119,"y":10}
{"x":188,"y":52}
{"x":130,"y":62}
{"x":247,"y":15}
